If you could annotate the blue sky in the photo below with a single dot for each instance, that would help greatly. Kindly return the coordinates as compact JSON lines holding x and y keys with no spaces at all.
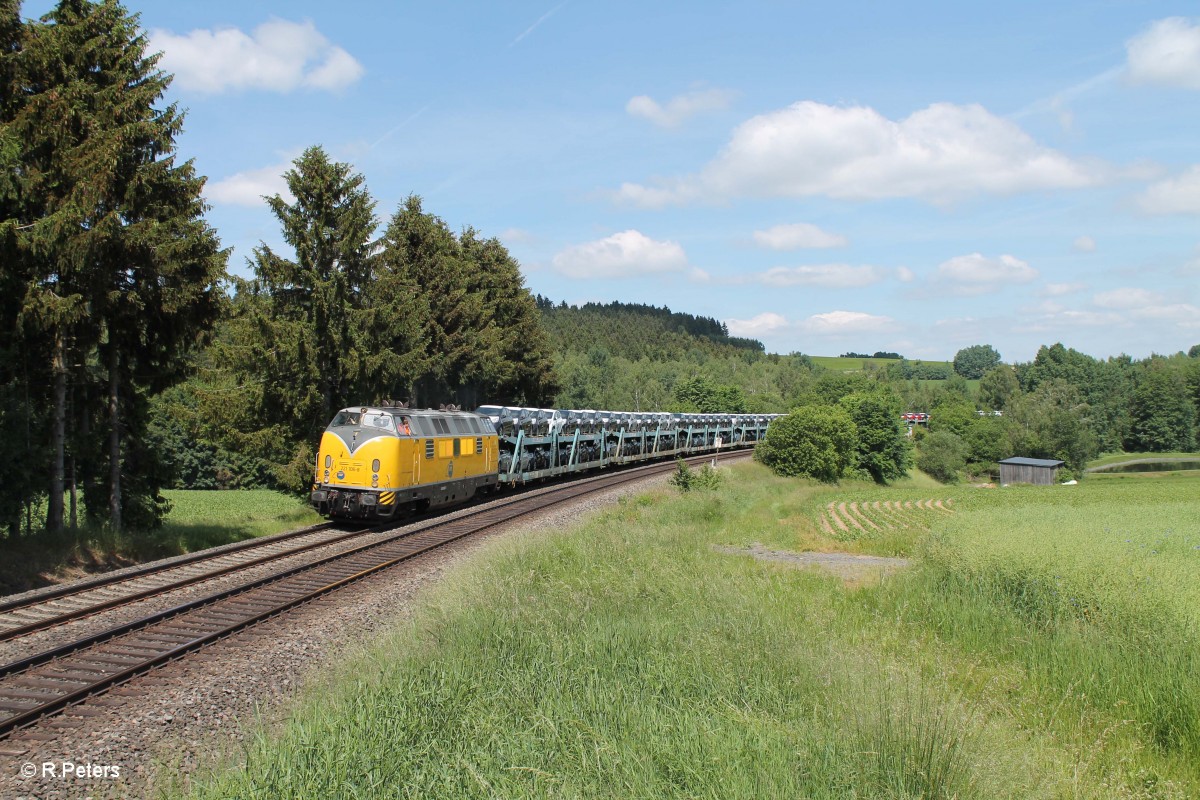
{"x":823,"y":177}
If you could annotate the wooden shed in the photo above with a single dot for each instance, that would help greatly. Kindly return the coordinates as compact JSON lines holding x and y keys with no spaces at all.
{"x":1041,"y":471}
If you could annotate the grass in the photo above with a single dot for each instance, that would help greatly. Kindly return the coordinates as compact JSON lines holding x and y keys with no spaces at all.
{"x":842,"y":364}
{"x":1043,"y":646}
{"x":197,"y":520}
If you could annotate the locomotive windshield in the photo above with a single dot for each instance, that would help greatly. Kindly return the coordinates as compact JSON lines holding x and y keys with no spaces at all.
{"x":366,"y":418}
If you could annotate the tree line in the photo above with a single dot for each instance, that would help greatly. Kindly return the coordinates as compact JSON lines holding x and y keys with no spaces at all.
{"x":129,"y":355}
{"x":419,"y":314}
{"x":111,"y":274}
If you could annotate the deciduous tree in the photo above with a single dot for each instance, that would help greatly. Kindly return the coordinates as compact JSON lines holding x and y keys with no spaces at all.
{"x":972,"y":362}
{"x":815,"y":441}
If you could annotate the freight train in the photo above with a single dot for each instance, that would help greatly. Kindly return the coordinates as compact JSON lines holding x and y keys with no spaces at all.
{"x":377,"y":463}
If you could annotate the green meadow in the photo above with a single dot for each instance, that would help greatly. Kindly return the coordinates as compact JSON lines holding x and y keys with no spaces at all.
{"x":197,"y":520}
{"x":1042,"y":642}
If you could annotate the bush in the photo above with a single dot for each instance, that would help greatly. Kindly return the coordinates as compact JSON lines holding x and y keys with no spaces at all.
{"x":942,"y":455}
{"x":818,"y":441}
{"x":686,"y":479}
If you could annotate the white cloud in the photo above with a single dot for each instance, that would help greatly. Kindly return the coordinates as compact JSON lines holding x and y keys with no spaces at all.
{"x":828,"y":276}
{"x":516,"y":236}
{"x":1180,"y":195}
{"x":1060,"y":289}
{"x":280,"y":56}
{"x":833,"y":324}
{"x":763,"y":324}
{"x":620,"y":255}
{"x":976,"y":274}
{"x":905,"y":275}
{"x":1052,"y":322}
{"x":248,"y":188}
{"x":678,"y":109}
{"x":940,"y":153}
{"x":846,"y":322}
{"x":1084,"y":244}
{"x":799,"y":235}
{"x":1166,"y":53}
{"x":1127,"y":298}
{"x":1183,"y":315}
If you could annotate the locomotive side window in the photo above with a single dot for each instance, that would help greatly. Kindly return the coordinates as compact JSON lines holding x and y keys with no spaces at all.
{"x":457,"y":448}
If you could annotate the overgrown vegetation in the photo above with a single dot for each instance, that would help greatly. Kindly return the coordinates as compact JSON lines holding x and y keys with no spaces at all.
{"x":686,"y":479}
{"x":637,"y":656}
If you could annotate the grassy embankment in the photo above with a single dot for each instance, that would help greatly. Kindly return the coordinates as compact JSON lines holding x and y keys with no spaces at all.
{"x":1043,"y":644}
{"x":197,"y":520}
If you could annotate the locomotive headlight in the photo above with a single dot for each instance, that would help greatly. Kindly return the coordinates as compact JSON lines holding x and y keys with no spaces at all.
{"x":327,"y":476}
{"x":374,"y":481}
{"x":328,"y":463}
{"x":375,"y":465}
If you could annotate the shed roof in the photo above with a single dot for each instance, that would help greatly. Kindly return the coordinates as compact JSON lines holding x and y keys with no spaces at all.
{"x":1033,"y":462}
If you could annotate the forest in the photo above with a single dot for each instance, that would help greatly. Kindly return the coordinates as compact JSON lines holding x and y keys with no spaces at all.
{"x":133,"y":361}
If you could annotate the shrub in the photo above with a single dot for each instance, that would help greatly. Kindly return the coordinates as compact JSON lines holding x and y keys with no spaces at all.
{"x":942,"y":455}
{"x":686,"y":479}
{"x":817,"y":441}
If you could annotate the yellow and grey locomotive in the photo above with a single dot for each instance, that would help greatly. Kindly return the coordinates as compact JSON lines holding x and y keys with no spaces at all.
{"x":376,"y":461}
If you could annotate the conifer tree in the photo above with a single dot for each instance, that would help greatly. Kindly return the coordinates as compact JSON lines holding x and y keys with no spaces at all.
{"x":124,"y":271}
{"x":302,"y":319}
{"x":420,"y":249}
{"x":483,"y":333}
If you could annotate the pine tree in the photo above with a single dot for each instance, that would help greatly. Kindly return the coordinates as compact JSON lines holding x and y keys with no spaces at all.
{"x":519,"y":364}
{"x":483,"y":336}
{"x":303,"y":319}
{"x":125,"y":271}
{"x":421,"y":250}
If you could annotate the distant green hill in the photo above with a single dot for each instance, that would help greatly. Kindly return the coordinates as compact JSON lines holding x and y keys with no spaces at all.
{"x":636,"y":331}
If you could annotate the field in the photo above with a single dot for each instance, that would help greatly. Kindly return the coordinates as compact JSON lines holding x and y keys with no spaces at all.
{"x":1042,"y":643}
{"x":840,"y":364}
{"x":197,"y":520}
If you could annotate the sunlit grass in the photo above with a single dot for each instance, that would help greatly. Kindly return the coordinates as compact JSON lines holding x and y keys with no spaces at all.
{"x":629,"y":657}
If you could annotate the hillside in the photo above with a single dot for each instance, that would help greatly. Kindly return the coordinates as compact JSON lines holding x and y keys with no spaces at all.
{"x":635,"y":331}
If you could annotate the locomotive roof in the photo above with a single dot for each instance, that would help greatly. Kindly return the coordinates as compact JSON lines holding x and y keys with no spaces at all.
{"x":411,"y":412}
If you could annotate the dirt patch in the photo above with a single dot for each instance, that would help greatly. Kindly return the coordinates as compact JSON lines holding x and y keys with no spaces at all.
{"x":854,"y":570}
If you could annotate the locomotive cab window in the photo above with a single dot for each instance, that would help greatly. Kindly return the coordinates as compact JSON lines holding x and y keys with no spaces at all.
{"x":379,"y":420}
{"x":346,"y":418}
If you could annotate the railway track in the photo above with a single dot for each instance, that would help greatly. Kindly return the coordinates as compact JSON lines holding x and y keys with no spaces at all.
{"x":44,"y":683}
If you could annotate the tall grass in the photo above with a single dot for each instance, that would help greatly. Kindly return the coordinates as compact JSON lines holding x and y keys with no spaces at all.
{"x":629,"y":658}
{"x":1093,"y":594}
